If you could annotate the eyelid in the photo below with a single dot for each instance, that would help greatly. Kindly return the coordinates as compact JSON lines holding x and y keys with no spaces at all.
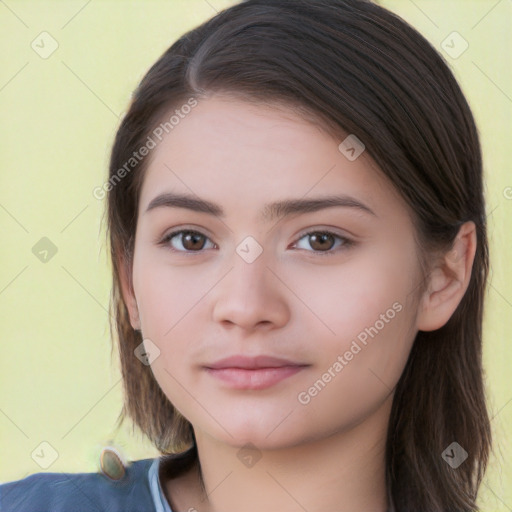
{"x":178,"y":229}
{"x":326,"y":229}
{"x":347,"y":242}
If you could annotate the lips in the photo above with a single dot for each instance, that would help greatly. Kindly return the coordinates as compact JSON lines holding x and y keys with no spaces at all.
{"x":251,"y":363}
{"x":259,"y":372}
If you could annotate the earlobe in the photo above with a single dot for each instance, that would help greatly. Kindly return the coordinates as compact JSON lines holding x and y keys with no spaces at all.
{"x":128,"y":293}
{"x":448,"y":281}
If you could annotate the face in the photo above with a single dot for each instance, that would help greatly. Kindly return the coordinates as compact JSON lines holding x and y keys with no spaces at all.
{"x":314,"y":304}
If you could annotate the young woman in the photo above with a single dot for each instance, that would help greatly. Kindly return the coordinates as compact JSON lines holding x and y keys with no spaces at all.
{"x":298,"y":240}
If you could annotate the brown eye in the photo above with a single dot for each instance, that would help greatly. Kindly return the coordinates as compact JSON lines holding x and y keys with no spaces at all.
{"x":190,"y":241}
{"x":323,"y":243}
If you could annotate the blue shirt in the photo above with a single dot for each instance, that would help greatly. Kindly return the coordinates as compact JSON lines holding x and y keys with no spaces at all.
{"x":139,"y":490}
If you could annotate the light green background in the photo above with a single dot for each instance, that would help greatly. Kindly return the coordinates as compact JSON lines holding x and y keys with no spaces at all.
{"x":59,"y":116}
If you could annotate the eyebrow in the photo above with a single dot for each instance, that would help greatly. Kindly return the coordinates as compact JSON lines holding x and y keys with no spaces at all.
{"x":270,"y":211}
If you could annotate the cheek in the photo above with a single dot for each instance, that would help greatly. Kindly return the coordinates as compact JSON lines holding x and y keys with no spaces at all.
{"x":167,"y":295}
{"x":368,"y":288}
{"x":359,"y":368}
{"x":171,"y":301}
{"x":168,"y":301}
{"x":367,"y":314}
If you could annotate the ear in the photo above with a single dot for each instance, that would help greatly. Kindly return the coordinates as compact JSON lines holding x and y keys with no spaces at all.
{"x":448,"y":281}
{"x":125,"y":273}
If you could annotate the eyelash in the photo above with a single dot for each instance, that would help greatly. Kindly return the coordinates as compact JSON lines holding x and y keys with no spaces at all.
{"x":347,"y":243}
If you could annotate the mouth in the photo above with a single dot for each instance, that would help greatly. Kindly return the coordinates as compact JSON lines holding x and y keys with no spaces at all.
{"x":243,"y":372}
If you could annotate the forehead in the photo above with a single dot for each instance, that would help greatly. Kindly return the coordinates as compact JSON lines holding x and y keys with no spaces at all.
{"x":244,"y":155}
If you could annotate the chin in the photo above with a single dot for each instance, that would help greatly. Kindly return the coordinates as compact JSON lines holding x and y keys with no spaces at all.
{"x":265,"y":435}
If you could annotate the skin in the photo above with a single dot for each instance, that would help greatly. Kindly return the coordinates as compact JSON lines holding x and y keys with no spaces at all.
{"x":291,"y":301}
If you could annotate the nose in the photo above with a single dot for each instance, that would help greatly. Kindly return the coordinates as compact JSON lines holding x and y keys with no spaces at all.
{"x":250,"y":296}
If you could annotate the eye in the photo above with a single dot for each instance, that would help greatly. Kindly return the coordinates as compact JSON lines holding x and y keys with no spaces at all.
{"x":322,"y":242}
{"x":190,"y":241}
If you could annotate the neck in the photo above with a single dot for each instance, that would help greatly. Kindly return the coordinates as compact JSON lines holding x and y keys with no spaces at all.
{"x":343,"y":472}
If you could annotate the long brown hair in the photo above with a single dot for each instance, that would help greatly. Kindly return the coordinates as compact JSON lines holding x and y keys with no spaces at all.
{"x":354,"y":67}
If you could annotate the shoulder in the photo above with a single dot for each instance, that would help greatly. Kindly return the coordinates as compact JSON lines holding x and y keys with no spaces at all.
{"x":80,"y":492}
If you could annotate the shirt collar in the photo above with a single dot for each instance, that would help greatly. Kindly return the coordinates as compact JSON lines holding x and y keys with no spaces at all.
{"x":159,"y":499}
